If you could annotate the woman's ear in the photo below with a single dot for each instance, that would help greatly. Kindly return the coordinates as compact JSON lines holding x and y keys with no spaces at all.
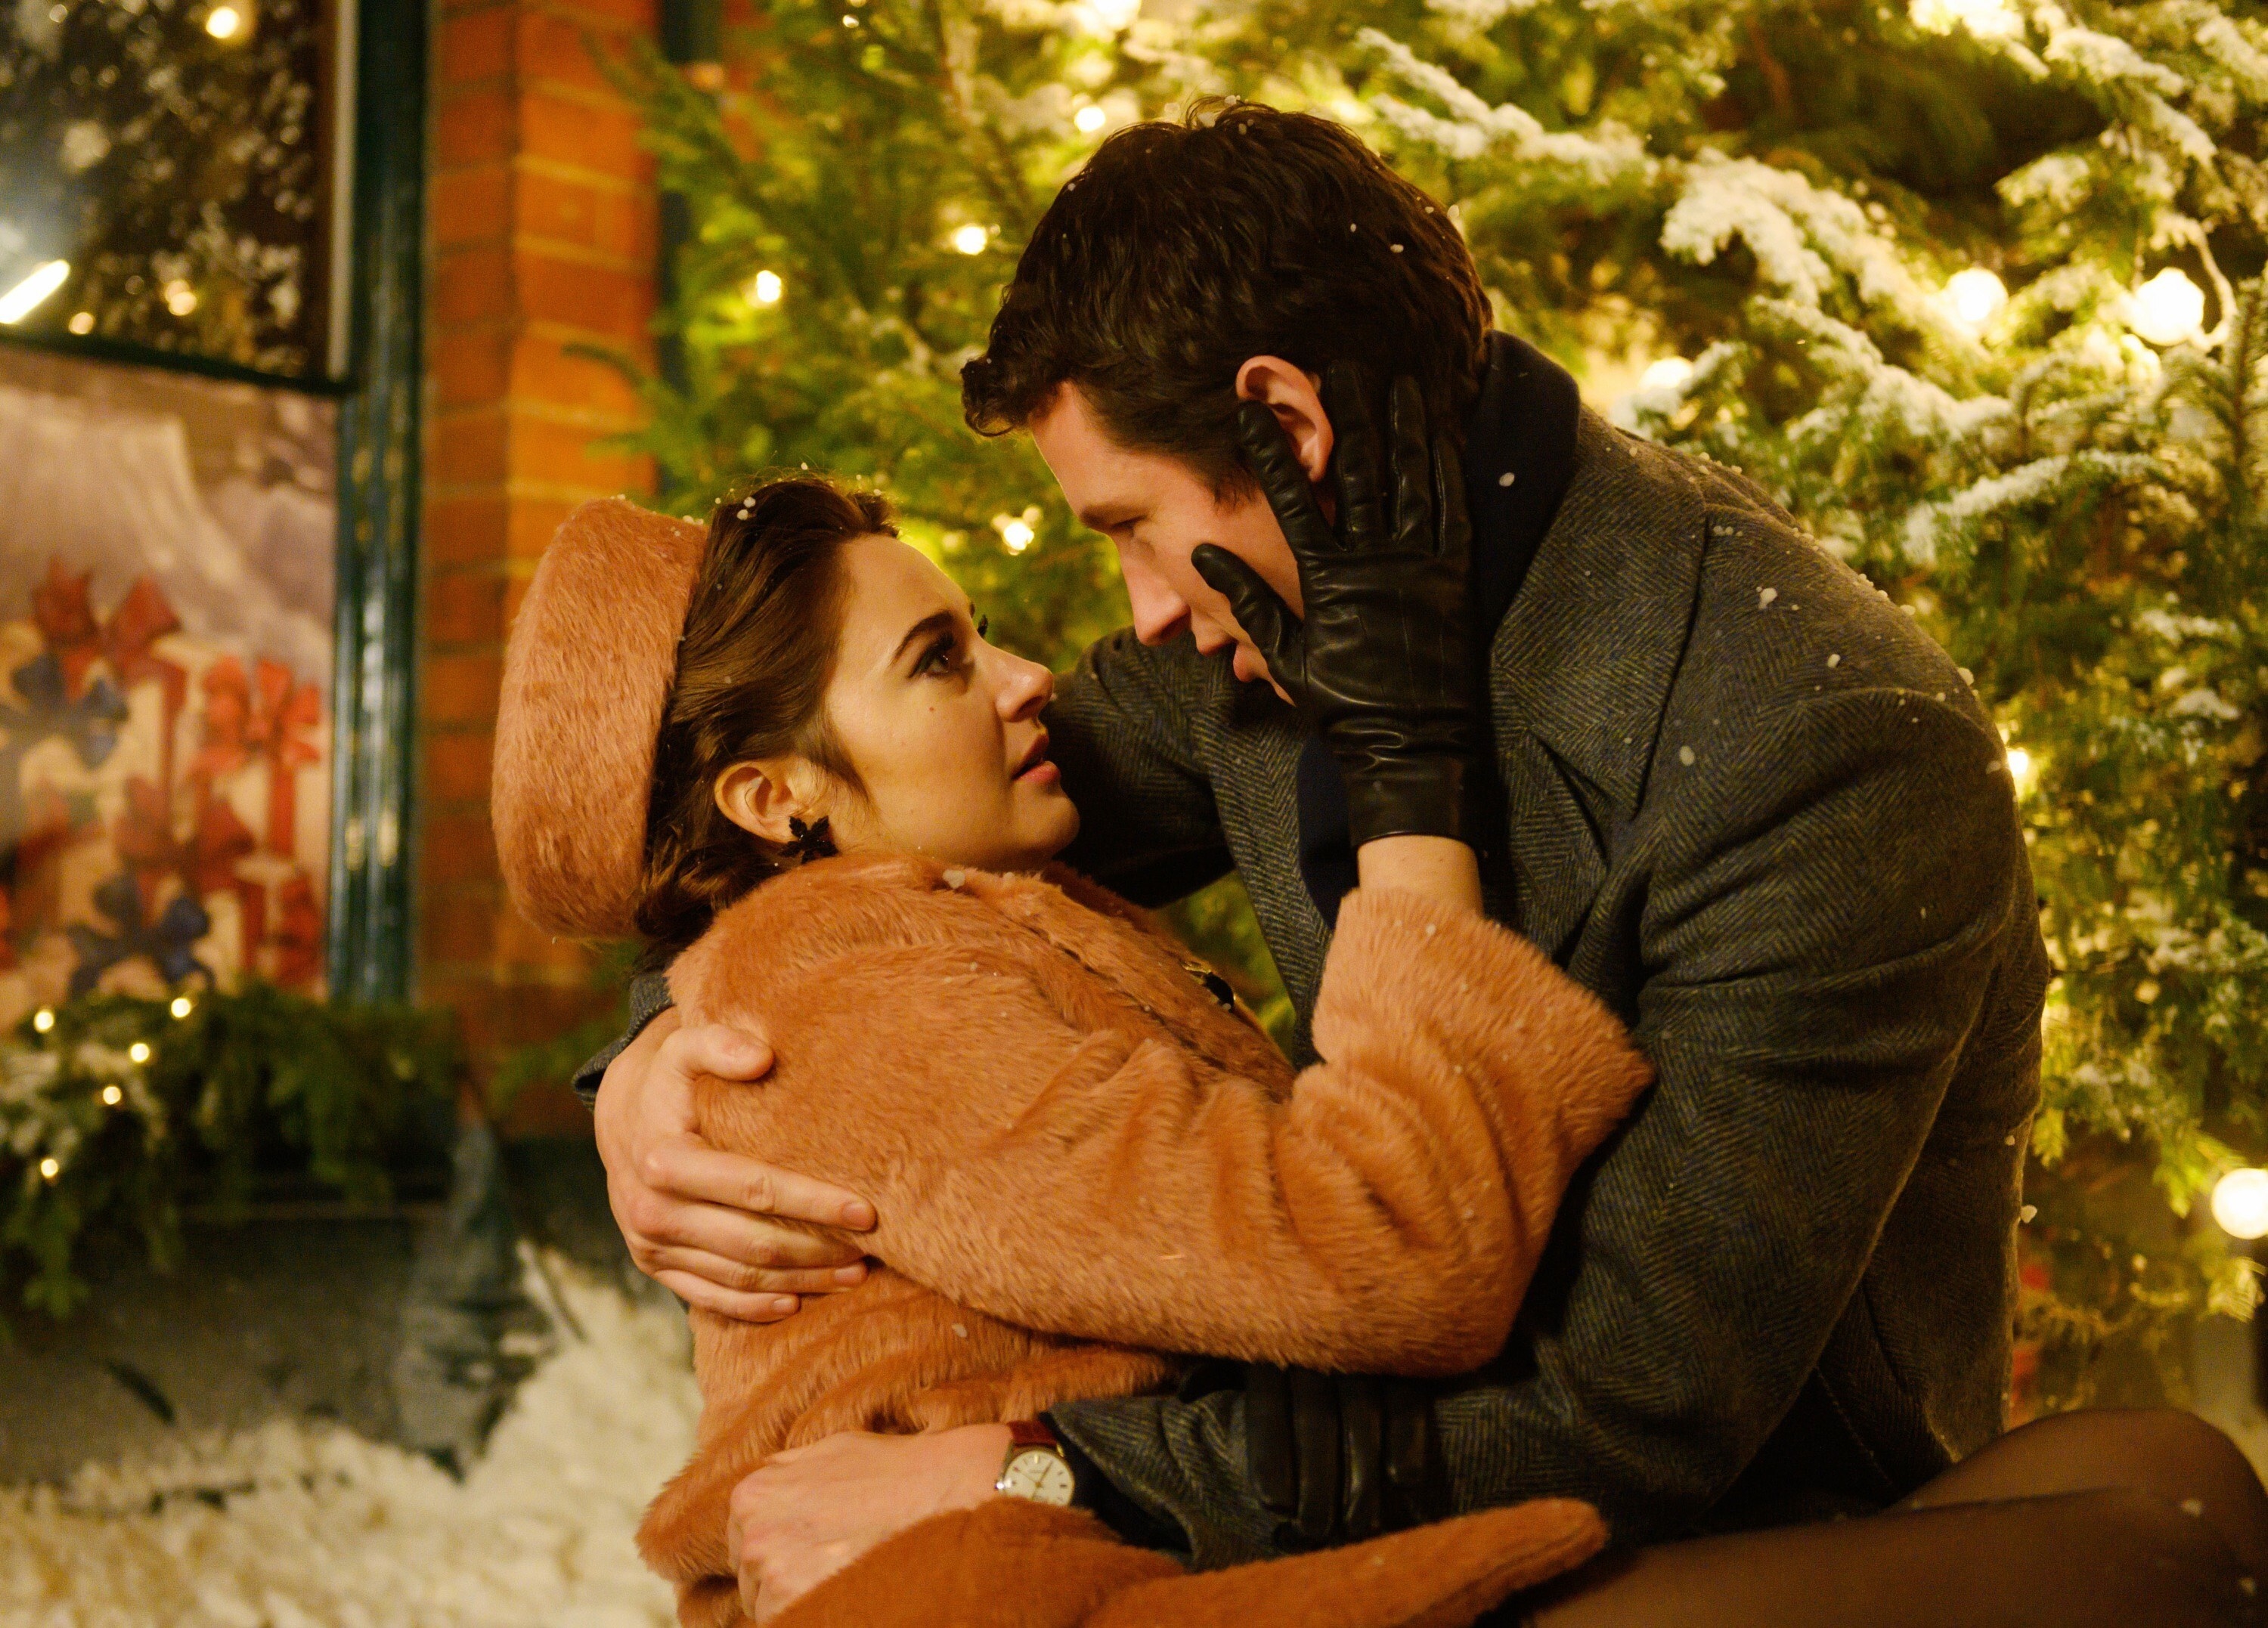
{"x":1294,"y":396}
{"x":761,"y":799}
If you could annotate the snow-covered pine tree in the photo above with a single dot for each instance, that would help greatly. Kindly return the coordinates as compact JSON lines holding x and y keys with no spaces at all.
{"x":1974,"y":285}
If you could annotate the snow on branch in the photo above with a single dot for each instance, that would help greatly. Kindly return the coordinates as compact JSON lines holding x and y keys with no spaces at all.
{"x":1479,"y":14}
{"x":2175,"y":128}
{"x":1801,"y":236}
{"x":1887,"y":397}
{"x":2061,"y":182}
{"x":2106,"y":60}
{"x":2027,"y":483}
{"x":1472,"y":126}
{"x":2173,"y":626}
{"x":2219,"y":37}
{"x":2114,"y":68}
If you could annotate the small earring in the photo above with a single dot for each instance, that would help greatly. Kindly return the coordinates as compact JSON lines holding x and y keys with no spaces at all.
{"x":813,"y":841}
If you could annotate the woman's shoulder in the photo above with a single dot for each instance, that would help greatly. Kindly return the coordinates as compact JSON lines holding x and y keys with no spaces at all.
{"x":815,"y":913}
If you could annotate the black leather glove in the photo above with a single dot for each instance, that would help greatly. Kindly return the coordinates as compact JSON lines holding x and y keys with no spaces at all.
{"x":1340,"y":1457}
{"x":1382,"y":665}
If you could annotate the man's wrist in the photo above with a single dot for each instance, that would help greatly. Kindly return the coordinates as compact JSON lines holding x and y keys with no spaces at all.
{"x":1410,"y":798}
{"x":1440,"y":869}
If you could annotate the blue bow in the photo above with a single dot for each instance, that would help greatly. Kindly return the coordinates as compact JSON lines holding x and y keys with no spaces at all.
{"x":169,"y":940}
{"x":90,"y":723}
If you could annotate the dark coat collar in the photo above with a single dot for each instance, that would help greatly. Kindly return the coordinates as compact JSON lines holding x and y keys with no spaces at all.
{"x":1520,"y":457}
{"x":1589,"y":649}
{"x":1580,"y":674}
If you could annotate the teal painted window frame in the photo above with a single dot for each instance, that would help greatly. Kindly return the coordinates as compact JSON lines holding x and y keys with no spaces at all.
{"x":374,"y":715}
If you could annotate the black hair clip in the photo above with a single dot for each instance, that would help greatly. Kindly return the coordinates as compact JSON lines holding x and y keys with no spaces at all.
{"x":810,"y":841}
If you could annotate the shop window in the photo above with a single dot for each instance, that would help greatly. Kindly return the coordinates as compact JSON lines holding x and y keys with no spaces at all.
{"x":209,"y":225}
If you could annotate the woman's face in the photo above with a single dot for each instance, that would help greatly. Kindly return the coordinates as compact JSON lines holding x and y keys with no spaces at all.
{"x":943,"y":729}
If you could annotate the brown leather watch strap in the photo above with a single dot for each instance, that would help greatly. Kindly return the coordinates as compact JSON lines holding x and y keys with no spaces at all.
{"x":1031,"y":1433}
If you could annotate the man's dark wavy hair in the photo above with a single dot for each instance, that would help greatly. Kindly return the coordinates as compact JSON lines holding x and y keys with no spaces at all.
{"x":1182,"y":249}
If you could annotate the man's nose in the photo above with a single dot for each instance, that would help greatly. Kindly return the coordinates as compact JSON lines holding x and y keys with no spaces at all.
{"x":1159,"y":613}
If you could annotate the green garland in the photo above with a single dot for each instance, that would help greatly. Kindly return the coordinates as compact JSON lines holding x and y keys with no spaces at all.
{"x":116,"y":1112}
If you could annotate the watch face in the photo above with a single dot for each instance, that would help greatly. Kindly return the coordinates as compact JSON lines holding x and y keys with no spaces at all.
{"x":1038,"y":1475}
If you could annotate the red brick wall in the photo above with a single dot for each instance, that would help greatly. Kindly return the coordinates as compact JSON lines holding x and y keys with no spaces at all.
{"x":542,"y":221}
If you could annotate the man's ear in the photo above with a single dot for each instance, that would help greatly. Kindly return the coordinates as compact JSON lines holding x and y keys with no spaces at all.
{"x":1293,"y":396}
{"x":761,"y":798}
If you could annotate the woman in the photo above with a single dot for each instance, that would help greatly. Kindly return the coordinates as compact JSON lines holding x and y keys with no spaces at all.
{"x":786,"y":754}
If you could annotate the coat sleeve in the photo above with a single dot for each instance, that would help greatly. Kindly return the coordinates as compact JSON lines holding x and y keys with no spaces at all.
{"x":647,"y":998}
{"x":1383,"y":1213}
{"x":1817,"y":969}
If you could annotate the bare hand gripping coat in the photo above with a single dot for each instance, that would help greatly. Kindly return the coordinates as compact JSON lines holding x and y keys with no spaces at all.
{"x":1081,"y":1164}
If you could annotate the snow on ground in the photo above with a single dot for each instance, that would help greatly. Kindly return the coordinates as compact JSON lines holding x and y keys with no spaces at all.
{"x":299,"y":1525}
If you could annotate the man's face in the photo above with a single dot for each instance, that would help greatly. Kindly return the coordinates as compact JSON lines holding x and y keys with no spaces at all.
{"x":1155,"y":510}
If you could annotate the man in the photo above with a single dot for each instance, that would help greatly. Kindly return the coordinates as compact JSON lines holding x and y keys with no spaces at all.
{"x":1735,"y":792}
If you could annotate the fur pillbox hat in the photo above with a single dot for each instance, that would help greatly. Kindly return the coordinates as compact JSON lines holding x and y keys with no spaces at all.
{"x":587,"y":675}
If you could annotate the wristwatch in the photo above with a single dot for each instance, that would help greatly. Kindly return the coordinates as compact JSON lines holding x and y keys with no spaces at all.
{"x":1035,"y":1467}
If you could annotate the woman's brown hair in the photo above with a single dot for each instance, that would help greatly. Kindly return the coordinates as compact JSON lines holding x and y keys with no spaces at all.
{"x":752,"y":675}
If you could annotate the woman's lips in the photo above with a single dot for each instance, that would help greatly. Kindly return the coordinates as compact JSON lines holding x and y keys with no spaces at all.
{"x":1035,"y":767}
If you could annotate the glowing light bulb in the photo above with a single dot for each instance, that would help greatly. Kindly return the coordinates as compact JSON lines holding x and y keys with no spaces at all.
{"x":1017,"y":534}
{"x":111,"y":1096}
{"x":139,"y":1051}
{"x":43,"y":1020}
{"x":27,"y":295}
{"x":1669,"y":373}
{"x":82,"y":322}
{"x":2168,"y":309}
{"x":1089,"y":120}
{"x":1985,"y":18}
{"x":182,"y":1006}
{"x":50,"y":1167}
{"x":224,"y":22}
{"x":764,"y":289}
{"x":2240,"y":1203}
{"x":970,"y":239}
{"x":1976,"y":296}
{"x":180,"y":298}
{"x":2021,"y":770}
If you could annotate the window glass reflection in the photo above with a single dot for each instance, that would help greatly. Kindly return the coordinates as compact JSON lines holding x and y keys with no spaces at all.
{"x":165,"y":177}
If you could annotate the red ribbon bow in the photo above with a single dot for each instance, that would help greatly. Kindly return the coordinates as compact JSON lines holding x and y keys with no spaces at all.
{"x":242,"y":727}
{"x":66,"y":621}
{"x":64,"y":612}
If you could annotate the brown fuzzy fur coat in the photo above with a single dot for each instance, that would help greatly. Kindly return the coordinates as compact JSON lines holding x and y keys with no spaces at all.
{"x":1079,"y":1160}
